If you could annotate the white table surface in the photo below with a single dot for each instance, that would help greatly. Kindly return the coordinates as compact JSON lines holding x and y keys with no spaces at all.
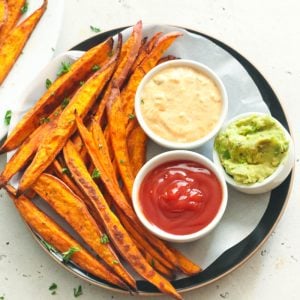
{"x":268,"y":34}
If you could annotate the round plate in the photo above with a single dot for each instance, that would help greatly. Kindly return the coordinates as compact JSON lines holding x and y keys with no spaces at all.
{"x":239,"y":253}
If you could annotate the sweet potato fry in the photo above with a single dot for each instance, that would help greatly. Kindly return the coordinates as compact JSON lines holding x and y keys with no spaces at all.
{"x":74,"y":211}
{"x":14,"y":42}
{"x":55,"y":140}
{"x":14,"y":11}
{"x":60,"y":240}
{"x":136,"y":143}
{"x":114,"y":228}
{"x":149,"y":62}
{"x":129,"y":52}
{"x":3,"y":14}
{"x":62,"y":86}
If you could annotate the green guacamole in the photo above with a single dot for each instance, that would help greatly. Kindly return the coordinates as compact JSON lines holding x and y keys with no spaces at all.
{"x":250,"y":149}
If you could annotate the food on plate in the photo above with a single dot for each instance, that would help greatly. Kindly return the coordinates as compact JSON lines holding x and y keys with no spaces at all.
{"x":64,"y":85}
{"x":181,"y":103}
{"x":71,"y":147}
{"x":251,"y":148}
{"x":3,"y":13}
{"x":180,"y":197}
{"x":54,"y":141}
{"x":13,"y":13}
{"x":14,"y":41}
{"x":58,"y":240}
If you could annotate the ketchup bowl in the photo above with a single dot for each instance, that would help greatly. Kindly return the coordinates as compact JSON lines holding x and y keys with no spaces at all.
{"x":180,"y":196}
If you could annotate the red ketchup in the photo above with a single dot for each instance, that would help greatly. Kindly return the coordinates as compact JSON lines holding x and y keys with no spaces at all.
{"x":180,"y":197}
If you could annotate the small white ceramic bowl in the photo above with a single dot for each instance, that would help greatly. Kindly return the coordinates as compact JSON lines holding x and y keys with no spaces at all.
{"x":176,"y":155}
{"x":181,"y":145}
{"x":275,"y":179}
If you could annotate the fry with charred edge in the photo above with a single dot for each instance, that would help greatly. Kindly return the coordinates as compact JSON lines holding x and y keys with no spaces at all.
{"x":117,"y":130}
{"x":14,"y":42}
{"x":129,"y":52}
{"x":3,"y":14}
{"x":101,"y":161}
{"x":74,"y":211}
{"x":56,"y":138}
{"x":149,"y":62}
{"x":53,"y":234}
{"x":14,"y":13}
{"x":25,"y":152}
{"x":114,"y":229}
{"x":136,"y":143}
{"x":63,"y":85}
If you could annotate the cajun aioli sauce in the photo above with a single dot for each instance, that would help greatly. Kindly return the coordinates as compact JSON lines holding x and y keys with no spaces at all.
{"x":181,"y":104}
{"x":180,"y":197}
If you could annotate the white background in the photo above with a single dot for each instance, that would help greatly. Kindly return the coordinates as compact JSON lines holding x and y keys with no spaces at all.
{"x":265,"y":32}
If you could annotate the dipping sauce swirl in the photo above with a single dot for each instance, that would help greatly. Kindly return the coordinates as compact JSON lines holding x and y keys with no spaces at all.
{"x":180,"y":197}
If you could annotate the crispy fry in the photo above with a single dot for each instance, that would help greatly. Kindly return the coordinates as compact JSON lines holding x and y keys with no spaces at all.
{"x":129,"y":52}
{"x":55,"y":140}
{"x":3,"y":14}
{"x":63,"y":85}
{"x":13,"y":44}
{"x":53,"y":234}
{"x":13,"y":14}
{"x":114,"y":228}
{"x":74,"y":211}
{"x":136,"y":143}
{"x":150,"y":61}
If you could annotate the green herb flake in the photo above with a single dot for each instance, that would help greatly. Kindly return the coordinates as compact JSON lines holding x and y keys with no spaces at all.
{"x":49,"y":247}
{"x":1,"y":297}
{"x":81,"y":83}
{"x":96,"y":174}
{"x":24,"y":8}
{"x":53,"y":287}
{"x":152,"y":263}
{"x":96,"y":68}
{"x":7,"y":117}
{"x":131,"y":116}
{"x":122,"y":161}
{"x":95,"y":29}
{"x":48,"y":83}
{"x":64,"y":68}
{"x":65,"y":102}
{"x":115,"y":262}
{"x":68,"y":254}
{"x":44,"y":120}
{"x":56,"y":113}
{"x":65,"y":171}
{"x":110,"y":53}
{"x":142,"y":101}
{"x":104,"y":239}
{"x":78,"y":291}
{"x":226,"y":154}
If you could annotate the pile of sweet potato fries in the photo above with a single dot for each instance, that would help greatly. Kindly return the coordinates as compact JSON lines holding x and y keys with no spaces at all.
{"x":79,"y":148}
{"x":13,"y":36}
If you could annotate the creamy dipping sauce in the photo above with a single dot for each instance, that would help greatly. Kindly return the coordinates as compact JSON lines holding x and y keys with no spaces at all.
{"x":181,"y":104}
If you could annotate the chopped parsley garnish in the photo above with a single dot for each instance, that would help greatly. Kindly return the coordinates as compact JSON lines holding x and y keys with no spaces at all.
{"x":53,"y":288}
{"x":24,"y":8}
{"x":96,"y":68}
{"x":110,"y":53}
{"x":48,"y":82}
{"x":1,"y":297}
{"x":44,"y":120}
{"x":65,"y":102}
{"x":68,"y":254}
{"x":104,"y":239}
{"x":96,"y":174}
{"x":78,"y":291}
{"x":64,"y":68}
{"x":7,"y":117}
{"x":122,"y":161}
{"x":95,"y":29}
{"x":49,"y":247}
{"x":65,"y":171}
{"x":81,"y":83}
{"x":152,"y":263}
{"x":142,"y":101}
{"x":131,"y":116}
{"x":115,"y":262}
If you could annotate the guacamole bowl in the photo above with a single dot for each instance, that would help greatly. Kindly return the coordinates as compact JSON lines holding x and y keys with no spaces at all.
{"x":255,"y":152}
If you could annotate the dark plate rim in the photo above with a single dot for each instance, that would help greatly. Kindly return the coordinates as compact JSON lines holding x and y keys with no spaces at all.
{"x":242,"y":251}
